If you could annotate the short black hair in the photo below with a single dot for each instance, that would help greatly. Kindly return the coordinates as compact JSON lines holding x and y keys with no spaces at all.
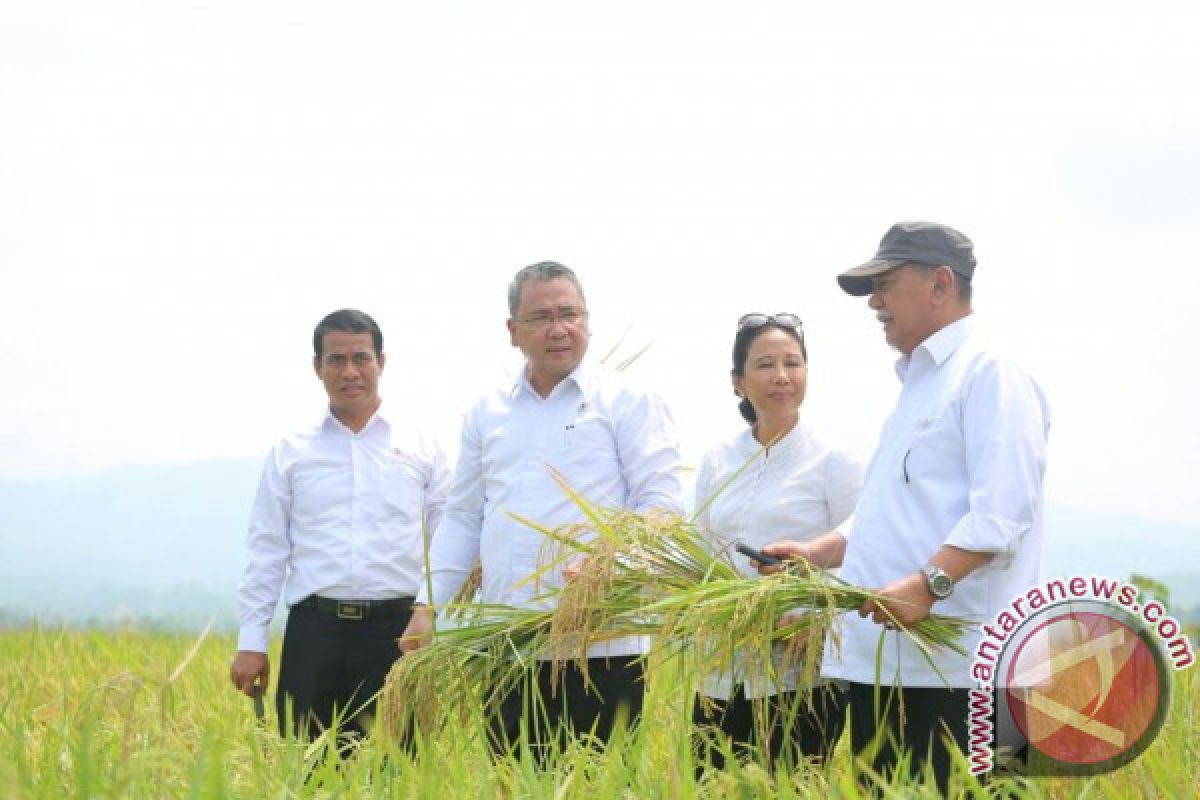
{"x":741,"y":351}
{"x":347,"y":320}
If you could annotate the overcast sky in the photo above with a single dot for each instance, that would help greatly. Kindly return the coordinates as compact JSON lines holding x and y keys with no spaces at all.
{"x":186,"y":188}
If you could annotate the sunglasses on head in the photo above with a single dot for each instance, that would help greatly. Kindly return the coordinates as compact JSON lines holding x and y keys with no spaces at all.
{"x":782,"y":319}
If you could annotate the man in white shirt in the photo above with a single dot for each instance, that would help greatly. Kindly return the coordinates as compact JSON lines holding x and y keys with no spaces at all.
{"x":614,"y":444}
{"x":951,"y":510}
{"x":338,"y":526}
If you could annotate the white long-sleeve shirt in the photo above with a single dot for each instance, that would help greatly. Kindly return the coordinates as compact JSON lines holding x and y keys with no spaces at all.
{"x":340,"y":514}
{"x":799,"y":489}
{"x":614,"y":444}
{"x":960,"y":462}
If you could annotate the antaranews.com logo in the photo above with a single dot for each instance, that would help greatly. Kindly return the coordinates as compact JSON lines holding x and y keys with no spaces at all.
{"x":1073,"y":678}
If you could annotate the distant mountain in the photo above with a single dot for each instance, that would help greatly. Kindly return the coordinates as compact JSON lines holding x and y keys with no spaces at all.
{"x":161,"y":543}
{"x":1119,"y":545}
{"x":166,"y":545}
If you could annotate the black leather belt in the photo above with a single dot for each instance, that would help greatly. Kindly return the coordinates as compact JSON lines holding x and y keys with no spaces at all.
{"x":358,"y":609}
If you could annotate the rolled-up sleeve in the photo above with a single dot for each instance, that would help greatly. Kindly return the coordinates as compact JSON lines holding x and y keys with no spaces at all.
{"x":1005,"y":424}
{"x":649,"y":450}
{"x":268,"y":546}
{"x":455,"y":546}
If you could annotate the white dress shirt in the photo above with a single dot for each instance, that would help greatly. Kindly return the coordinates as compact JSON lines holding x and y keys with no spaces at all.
{"x":340,"y":514}
{"x":799,"y":489}
{"x":960,"y":462}
{"x":614,"y":444}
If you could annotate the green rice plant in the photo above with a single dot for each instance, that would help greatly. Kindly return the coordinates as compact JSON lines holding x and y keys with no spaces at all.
{"x":790,"y":612}
{"x":635,"y":573}
{"x":83,"y":714}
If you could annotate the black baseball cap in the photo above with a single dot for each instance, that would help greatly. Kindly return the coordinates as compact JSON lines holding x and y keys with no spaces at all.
{"x":916,"y":242}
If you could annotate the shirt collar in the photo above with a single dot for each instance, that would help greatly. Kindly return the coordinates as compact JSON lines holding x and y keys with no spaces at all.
{"x":381,"y":415}
{"x":791,"y":439}
{"x":940,"y":345}
{"x":583,"y":377}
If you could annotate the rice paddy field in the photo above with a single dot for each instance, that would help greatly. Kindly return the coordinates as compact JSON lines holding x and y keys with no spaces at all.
{"x":135,"y":714}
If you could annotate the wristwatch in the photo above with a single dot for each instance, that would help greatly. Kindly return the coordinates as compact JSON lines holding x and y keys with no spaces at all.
{"x":939,"y":583}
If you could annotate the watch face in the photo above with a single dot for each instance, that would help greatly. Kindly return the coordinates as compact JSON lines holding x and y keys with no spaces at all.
{"x":940,"y":584}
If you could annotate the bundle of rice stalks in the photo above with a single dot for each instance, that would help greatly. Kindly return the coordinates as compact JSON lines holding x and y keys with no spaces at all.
{"x":490,"y":648}
{"x":657,"y":572}
{"x":584,"y":611}
{"x":635,"y":573}
{"x":622,"y":561}
{"x":465,"y":668}
{"x":752,"y":621}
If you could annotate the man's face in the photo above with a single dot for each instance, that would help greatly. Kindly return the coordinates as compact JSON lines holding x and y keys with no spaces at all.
{"x":350,"y":370}
{"x":903,"y":301}
{"x":551,"y":329}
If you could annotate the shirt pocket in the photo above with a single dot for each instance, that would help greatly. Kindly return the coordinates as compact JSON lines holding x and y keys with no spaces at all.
{"x":935,"y":447}
{"x":588,"y":437}
{"x":593,"y":466}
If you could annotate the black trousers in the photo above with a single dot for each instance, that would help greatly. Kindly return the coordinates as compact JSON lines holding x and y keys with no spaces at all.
{"x":549,"y":713}
{"x":794,"y":727}
{"x":929,"y":716}
{"x":333,"y":667}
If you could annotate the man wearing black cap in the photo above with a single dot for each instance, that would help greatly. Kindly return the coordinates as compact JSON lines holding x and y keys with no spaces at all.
{"x":951,"y":510}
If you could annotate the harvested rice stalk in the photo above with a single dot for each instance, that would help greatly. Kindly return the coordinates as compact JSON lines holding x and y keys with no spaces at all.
{"x":579,"y":617}
{"x":424,"y":691}
{"x":476,"y":663}
{"x":640,"y":573}
{"x":656,"y":571}
{"x":622,"y":559}
{"x":725,"y":619}
{"x":466,"y":593}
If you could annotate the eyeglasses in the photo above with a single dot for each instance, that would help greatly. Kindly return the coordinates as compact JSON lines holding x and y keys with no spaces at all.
{"x":782,"y":319}
{"x":543,"y":319}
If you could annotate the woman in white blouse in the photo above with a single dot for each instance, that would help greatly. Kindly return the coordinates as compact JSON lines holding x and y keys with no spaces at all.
{"x":795,"y":486}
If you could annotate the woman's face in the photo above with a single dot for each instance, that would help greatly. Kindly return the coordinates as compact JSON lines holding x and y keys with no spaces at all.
{"x":775,"y":375}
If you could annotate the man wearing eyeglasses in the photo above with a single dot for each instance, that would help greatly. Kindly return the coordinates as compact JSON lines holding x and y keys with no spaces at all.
{"x":614,"y":444}
{"x":950,"y":517}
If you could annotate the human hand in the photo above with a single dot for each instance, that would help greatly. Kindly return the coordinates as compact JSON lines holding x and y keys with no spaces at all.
{"x":786,"y":549}
{"x":249,"y":669}
{"x":572,"y":569}
{"x":902,"y":603}
{"x":802,"y":641}
{"x":419,"y":631}
{"x":790,"y":618}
